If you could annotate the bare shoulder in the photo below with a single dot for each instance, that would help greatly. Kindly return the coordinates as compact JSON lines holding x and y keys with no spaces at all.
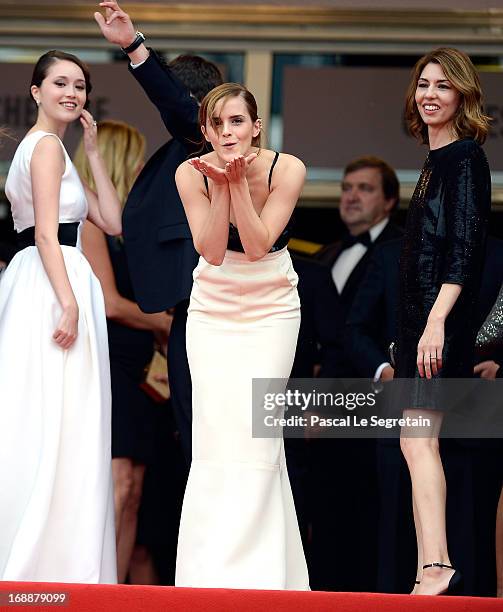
{"x":289,"y":173}
{"x":188,"y":179}
{"x":184,"y":171}
{"x":290,"y":163}
{"x":183,"y":168}
{"x":48,"y":153}
{"x":49,"y":145}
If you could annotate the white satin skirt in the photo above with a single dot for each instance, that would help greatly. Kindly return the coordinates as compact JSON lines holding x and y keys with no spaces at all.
{"x":56,"y":502}
{"x":238,"y":527}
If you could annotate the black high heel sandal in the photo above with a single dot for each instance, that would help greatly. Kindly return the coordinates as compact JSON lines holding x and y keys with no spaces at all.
{"x":454,"y":586}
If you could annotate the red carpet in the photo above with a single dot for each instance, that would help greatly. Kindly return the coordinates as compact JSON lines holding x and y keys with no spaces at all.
{"x":112,"y":598}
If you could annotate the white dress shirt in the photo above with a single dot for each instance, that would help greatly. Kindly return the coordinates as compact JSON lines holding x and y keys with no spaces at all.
{"x":349,"y":258}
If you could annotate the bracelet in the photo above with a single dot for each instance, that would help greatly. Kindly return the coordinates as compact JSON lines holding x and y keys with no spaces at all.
{"x":139,"y":39}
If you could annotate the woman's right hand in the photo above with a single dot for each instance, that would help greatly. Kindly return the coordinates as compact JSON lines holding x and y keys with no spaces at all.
{"x":216,"y":174}
{"x":66,"y":331}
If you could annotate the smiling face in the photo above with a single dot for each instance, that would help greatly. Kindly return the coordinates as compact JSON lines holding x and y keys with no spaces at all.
{"x":62,"y":93}
{"x":231,"y":130}
{"x":363,"y":203}
{"x":436,"y":98}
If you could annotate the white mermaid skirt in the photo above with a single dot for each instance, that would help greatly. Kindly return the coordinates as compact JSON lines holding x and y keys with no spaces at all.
{"x":56,"y":502}
{"x":239,"y":527}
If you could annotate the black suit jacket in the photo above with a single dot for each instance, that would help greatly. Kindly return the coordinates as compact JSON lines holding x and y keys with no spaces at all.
{"x":335,"y":363}
{"x":329,"y":254}
{"x":318,"y":336}
{"x":372,"y":322}
{"x":157,"y":238}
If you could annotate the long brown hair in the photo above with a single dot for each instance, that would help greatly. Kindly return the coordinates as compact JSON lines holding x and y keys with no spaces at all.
{"x":469,"y":120}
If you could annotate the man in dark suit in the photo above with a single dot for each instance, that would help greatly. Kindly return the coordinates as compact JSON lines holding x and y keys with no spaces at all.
{"x":317,"y":338}
{"x":343,"y":475}
{"x":369,"y":195}
{"x":159,"y":247}
{"x":319,"y":302}
{"x":470,"y":465}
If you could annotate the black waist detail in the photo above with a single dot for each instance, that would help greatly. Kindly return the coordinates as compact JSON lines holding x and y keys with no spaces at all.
{"x":234,"y":242}
{"x":67,"y":235}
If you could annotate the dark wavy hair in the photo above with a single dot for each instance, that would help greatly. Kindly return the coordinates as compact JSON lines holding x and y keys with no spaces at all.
{"x":199,"y":75}
{"x":469,"y":120}
{"x":46,"y":60}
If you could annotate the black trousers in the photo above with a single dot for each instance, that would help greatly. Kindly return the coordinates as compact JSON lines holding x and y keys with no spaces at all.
{"x":344,"y":512}
{"x":179,"y":379}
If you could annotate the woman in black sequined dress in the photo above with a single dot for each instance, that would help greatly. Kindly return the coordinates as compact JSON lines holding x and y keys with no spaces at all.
{"x":440,"y":270}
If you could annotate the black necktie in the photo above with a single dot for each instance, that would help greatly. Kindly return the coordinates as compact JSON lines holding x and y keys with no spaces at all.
{"x":350,"y":240}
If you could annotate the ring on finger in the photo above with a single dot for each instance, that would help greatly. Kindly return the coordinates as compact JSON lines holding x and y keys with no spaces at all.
{"x":95,"y":123}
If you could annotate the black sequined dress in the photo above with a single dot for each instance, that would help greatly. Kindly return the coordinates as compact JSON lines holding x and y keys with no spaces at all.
{"x":444,"y":243}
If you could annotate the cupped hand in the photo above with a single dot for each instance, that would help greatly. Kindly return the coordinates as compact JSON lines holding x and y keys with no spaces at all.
{"x":429,"y":349}
{"x":66,"y":331}
{"x":236,"y":169}
{"x":487,"y":369}
{"x":90,"y":133}
{"x":116,"y":26}
{"x":387,"y":374}
{"x":216,"y":174}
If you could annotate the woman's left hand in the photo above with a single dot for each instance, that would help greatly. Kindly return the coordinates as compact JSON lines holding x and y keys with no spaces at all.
{"x":429,"y":349}
{"x":90,"y":132}
{"x":236,"y":170}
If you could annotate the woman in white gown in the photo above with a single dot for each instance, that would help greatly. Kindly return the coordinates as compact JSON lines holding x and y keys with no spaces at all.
{"x":238,"y":526}
{"x":56,"y":506}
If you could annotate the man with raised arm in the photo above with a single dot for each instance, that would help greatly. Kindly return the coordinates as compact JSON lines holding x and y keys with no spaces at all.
{"x":159,"y":248}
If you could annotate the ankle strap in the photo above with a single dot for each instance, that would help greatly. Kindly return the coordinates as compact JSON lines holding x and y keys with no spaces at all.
{"x":438,"y":565}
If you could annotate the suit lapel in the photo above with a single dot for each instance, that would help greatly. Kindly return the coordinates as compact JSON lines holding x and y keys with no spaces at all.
{"x":356,"y":276}
{"x":354,"y":279}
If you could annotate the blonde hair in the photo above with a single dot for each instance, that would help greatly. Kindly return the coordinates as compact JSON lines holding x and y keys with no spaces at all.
{"x":469,"y":120}
{"x":122,"y":148}
{"x":228,"y":90}
{"x":6,"y":133}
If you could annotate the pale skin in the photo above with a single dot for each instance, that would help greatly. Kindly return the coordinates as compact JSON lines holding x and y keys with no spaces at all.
{"x":61,"y":98}
{"x":487,"y":369}
{"x":117,"y":27}
{"x":437,"y":101}
{"x":238,"y":191}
